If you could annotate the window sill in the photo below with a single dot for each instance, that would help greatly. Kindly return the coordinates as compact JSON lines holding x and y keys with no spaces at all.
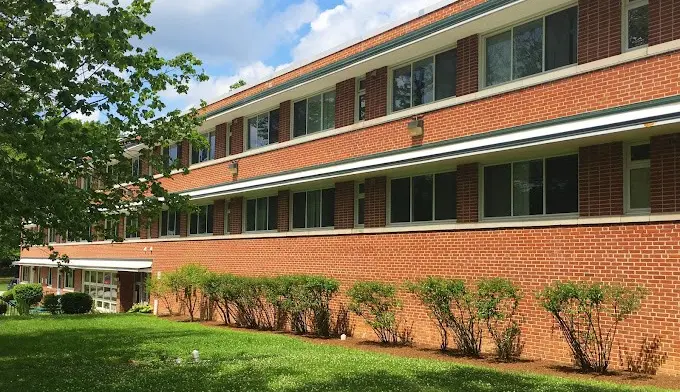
{"x":200,"y":235}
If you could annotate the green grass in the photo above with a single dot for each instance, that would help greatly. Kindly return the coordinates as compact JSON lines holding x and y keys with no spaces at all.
{"x":137,"y":353}
{"x":4,"y":280}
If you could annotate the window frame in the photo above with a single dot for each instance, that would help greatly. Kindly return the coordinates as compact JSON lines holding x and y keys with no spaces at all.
{"x":125,"y":228}
{"x":160,"y":224}
{"x":306,"y":98}
{"x":246,"y":129}
{"x":359,"y":92}
{"x":543,"y":216}
{"x":207,"y":222}
{"x":48,"y":279}
{"x":629,"y":165}
{"x":136,"y":161}
{"x":627,"y":6}
{"x":292,"y":212}
{"x":358,"y":195}
{"x":245,"y":214}
{"x":24,"y":270}
{"x":211,"y":151}
{"x":511,"y":27}
{"x":87,"y":285}
{"x":63,"y":275}
{"x":434,"y":203}
{"x":166,"y":158}
{"x":390,"y":78}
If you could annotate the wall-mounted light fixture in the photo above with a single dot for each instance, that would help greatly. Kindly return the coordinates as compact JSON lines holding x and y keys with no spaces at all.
{"x":233,"y":167}
{"x":415,"y":127}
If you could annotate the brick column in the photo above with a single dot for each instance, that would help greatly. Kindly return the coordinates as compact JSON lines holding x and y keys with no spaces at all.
{"x":157,"y":151}
{"x":154,"y":229}
{"x":186,"y":153}
{"x":126,"y":290}
{"x":376,"y":93}
{"x":78,"y":280}
{"x":375,"y":202}
{"x":218,"y":217}
{"x":143,"y":167}
{"x":221,"y":141}
{"x":665,"y":174}
{"x":236,"y":141}
{"x":600,"y":174}
{"x":121,"y":226}
{"x":283,"y":211}
{"x":284,"y":121}
{"x":599,"y":29}
{"x":664,"y":21}
{"x":183,"y":224}
{"x":344,"y":205}
{"x":345,"y":95}
{"x":144,"y":228}
{"x":467,"y":193}
{"x":467,"y":65}
{"x":236,"y":215}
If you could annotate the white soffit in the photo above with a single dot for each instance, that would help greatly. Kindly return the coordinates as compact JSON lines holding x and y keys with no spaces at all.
{"x":93,"y":264}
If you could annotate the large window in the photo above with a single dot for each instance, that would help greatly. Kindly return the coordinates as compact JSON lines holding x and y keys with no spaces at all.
{"x":424,"y":81}
{"x":25,"y":273}
{"x":51,"y":236}
{"x":199,"y":155}
{"x":201,"y":222}
{"x":66,"y":279}
{"x":136,"y":167}
{"x":423,"y":198}
{"x":635,"y":23}
{"x":360,"y":206}
{"x":261,"y":213}
{"x":540,"y":45}
{"x":637,"y":172}
{"x":131,"y":227}
{"x":172,"y":154}
{"x":103,"y":288}
{"x":48,"y":278}
{"x":314,"y":114}
{"x":536,"y":187}
{"x":263,"y":129}
{"x":170,"y":223}
{"x":361,"y":99}
{"x":314,"y":209}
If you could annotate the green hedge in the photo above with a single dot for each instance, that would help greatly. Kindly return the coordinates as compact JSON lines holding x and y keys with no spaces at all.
{"x":27,"y":295}
{"x":76,"y":303}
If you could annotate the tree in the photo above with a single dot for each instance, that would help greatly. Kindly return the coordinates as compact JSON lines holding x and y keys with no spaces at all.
{"x":237,"y":85}
{"x":70,"y":57}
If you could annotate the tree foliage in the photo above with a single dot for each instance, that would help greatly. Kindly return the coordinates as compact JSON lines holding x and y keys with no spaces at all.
{"x":60,"y":59}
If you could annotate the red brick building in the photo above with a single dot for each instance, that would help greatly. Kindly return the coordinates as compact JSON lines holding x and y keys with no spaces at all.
{"x":535,"y":140}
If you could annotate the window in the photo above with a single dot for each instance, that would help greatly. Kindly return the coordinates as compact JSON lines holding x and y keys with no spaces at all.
{"x":361,"y":99}
{"x":169,"y":223}
{"x":423,"y":198}
{"x":314,"y":209}
{"x":536,"y":187}
{"x":25,"y":274}
{"x":227,"y":217}
{"x":111,"y":227}
{"x":424,"y":81}
{"x":637,"y":173}
{"x":540,"y":45}
{"x":131,"y":227}
{"x":103,"y":288}
{"x":261,"y":213}
{"x":86,"y":183}
{"x":360,"y":207}
{"x":201,"y":222}
{"x":172,"y":154}
{"x":199,"y":155}
{"x":314,"y":114}
{"x":635,"y":23}
{"x":51,"y":236}
{"x":263,"y":129}
{"x":48,"y":278}
{"x":67,"y":280}
{"x":136,"y":167}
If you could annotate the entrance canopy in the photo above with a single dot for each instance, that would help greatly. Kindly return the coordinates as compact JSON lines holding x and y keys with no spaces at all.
{"x":93,"y":264}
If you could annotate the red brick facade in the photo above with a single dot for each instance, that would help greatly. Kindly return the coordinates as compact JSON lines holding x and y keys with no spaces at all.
{"x":664,"y":21}
{"x":467,"y":186}
{"x":345,"y":94}
{"x":221,"y":133}
{"x":376,"y":93}
{"x":467,"y":65}
{"x":665,"y":174}
{"x":236,"y":140}
{"x":284,"y":121}
{"x":218,"y":217}
{"x":599,"y":29}
{"x":376,"y":202}
{"x":601,"y":180}
{"x":344,"y":205}
{"x":283,"y":218}
{"x":236,"y":215}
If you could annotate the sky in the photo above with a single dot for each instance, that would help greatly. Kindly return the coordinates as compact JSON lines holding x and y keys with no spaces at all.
{"x":252,"y":39}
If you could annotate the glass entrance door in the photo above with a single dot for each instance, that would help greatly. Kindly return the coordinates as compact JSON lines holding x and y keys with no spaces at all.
{"x":103,"y":288}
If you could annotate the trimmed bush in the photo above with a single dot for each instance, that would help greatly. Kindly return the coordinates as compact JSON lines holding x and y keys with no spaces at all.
{"x":497,"y":301}
{"x":3,"y":308}
{"x":436,"y":295}
{"x":143,"y":307}
{"x":8,"y":295}
{"x":377,"y":303}
{"x":76,"y":303}
{"x":186,"y":283}
{"x":51,"y":303}
{"x":588,"y":314}
{"x":160,"y":288}
{"x":26,"y":296}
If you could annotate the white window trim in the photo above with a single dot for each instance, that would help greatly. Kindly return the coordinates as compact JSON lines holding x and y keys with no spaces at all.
{"x":245,"y":214}
{"x":246,"y":130}
{"x":388,"y":202}
{"x":160,"y":225}
{"x":542,"y":216}
{"x":102,"y":286}
{"x":62,"y":275}
{"x":625,"y":7}
{"x":291,"y":214}
{"x":359,"y":196}
{"x":125,"y":224}
{"x":48,"y":279}
{"x":206,"y":222}
{"x":390,"y":79}
{"x":628,"y":165}
{"x":511,"y":27}
{"x":210,"y":150}
{"x":306,"y":98}
{"x":359,"y":92}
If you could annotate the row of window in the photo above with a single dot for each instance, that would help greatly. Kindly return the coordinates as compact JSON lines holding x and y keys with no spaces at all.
{"x":35,"y":275}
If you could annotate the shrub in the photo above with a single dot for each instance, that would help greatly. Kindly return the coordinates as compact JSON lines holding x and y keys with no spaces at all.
{"x":497,"y":302}
{"x":142,"y":307}
{"x":223,"y":290}
{"x":377,"y":303}
{"x":27,"y":295}
{"x":436,"y":295}
{"x":186,"y":283}
{"x":51,"y":303}
{"x":248,"y":294}
{"x":320,"y":291}
{"x":76,"y":303}
{"x":3,"y":308}
{"x":589,"y":315}
{"x":8,"y":295}
{"x":160,"y":288}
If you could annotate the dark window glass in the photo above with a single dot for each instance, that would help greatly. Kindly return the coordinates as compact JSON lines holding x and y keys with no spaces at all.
{"x":261,"y":214}
{"x":362,"y":107}
{"x":422,"y":198}
{"x":638,"y":26}
{"x":193,"y":227}
{"x":175,"y":226}
{"x":274,"y":126}
{"x":561,"y":175}
{"x":361,"y":211}
{"x":210,"y":216}
{"x":561,"y":38}
{"x":527,"y":188}
{"x":328,"y":110}
{"x":639,"y":153}
{"x":164,"y":223}
{"x":401,"y":88}
{"x":423,"y":81}
{"x":314,"y":209}
{"x":400,"y":200}
{"x":498,"y":62}
{"x":497,"y":191}
{"x":314,"y":114}
{"x":328,"y":207}
{"x":445,"y":79}
{"x":201,"y":221}
{"x":528,"y":49}
{"x":445,"y":196}
{"x":300,"y":118}
{"x":273,"y":213}
{"x":299,"y":210}
{"x":251,"y":207}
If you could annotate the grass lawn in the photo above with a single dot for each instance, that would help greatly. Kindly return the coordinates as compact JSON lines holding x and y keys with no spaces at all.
{"x":138,"y":353}
{"x":4,"y":280}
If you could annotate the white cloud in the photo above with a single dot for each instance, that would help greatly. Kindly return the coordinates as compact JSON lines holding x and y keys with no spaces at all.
{"x":94,"y":116}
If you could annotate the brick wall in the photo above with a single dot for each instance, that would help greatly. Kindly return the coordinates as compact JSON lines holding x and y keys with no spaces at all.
{"x":375,"y":202}
{"x":599,"y":29}
{"x":183,"y":224}
{"x":154,"y":228}
{"x":221,"y":141}
{"x":236,"y":141}
{"x":665,"y":174}
{"x":283,"y":211}
{"x":284,"y":121}
{"x":126,"y":290}
{"x":344,"y":205}
{"x":467,"y":190}
{"x":664,"y":21}
{"x":185,"y":159}
{"x":376,"y":93}
{"x":236,"y":215}
{"x":77,"y":279}
{"x":345,"y":94}
{"x":218,"y":217}
{"x":467,"y":65}
{"x":601,"y":180}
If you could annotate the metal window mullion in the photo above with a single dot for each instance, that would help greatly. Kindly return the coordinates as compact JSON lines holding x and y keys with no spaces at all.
{"x":412,"y":82}
{"x":512,"y":55}
{"x":411,"y":198}
{"x":544,"y":44}
{"x":512,"y":193}
{"x":434,"y":200}
{"x":545,"y":187}
{"x":434,"y":78}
